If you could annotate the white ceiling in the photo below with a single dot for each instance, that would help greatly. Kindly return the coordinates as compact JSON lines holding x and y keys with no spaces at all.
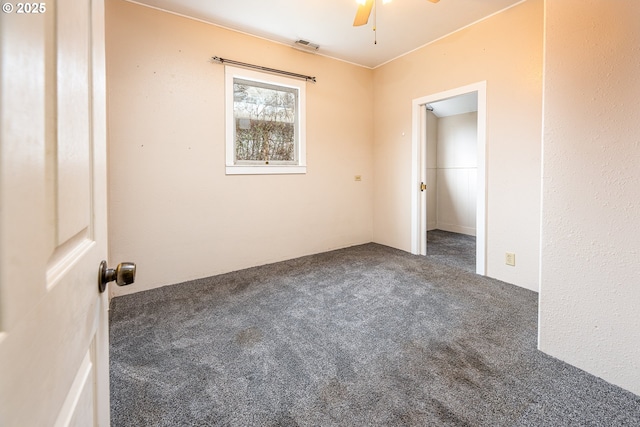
{"x":402,"y":25}
{"x":457,"y":105}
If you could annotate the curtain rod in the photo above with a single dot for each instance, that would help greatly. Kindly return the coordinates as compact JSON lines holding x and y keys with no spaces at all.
{"x":258,"y":67}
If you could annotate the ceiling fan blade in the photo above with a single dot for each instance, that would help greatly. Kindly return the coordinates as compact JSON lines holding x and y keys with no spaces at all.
{"x":362,"y":15}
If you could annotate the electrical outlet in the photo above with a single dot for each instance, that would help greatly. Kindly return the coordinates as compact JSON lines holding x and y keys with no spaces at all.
{"x":510,"y":258}
{"x":358,"y":177}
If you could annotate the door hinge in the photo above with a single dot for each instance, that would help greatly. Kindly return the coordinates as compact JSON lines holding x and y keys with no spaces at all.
{"x":423,"y":186}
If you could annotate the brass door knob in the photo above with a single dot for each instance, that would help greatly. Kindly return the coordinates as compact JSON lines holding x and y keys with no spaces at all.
{"x":124,"y":274}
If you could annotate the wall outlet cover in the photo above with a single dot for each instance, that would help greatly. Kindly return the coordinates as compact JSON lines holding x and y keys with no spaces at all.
{"x":510,"y":258}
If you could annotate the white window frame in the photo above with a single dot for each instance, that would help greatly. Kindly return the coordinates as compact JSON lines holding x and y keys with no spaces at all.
{"x":259,"y":169}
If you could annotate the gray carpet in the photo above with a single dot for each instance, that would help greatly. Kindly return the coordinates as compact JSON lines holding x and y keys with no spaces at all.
{"x":364,"y":336}
{"x":455,"y":249}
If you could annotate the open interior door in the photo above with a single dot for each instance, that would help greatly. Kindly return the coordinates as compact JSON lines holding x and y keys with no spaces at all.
{"x":53,"y":319}
{"x":424,"y":179}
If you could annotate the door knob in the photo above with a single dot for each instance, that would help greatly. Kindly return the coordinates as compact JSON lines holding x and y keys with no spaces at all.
{"x":124,"y":274}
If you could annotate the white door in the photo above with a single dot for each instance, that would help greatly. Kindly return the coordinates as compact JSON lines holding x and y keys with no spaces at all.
{"x":419,"y":167}
{"x":53,"y":320}
{"x":426,"y":186}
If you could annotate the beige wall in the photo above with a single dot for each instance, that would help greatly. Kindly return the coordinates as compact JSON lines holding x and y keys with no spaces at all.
{"x":172,"y":209}
{"x":590,"y":280}
{"x":506,"y":51}
{"x":172,"y":205}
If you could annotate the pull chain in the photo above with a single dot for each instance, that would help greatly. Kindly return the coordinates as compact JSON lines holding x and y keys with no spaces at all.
{"x":375,"y":23}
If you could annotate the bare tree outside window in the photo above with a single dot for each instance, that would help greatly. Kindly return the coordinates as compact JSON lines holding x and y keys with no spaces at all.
{"x":265,"y":118}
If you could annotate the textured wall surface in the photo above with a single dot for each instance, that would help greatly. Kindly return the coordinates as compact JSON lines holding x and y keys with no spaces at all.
{"x":172,"y":209}
{"x":504,"y":50}
{"x":590,"y":268}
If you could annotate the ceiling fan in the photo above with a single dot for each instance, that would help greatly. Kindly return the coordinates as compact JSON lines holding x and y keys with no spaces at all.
{"x":364,"y":11}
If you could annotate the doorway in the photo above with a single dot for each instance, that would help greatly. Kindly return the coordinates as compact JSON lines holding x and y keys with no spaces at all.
{"x":463,"y":179}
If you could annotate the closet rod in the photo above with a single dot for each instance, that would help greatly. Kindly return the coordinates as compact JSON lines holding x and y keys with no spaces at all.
{"x":268,"y":70}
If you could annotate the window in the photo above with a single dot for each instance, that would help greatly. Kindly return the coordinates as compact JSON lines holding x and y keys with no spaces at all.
{"x":265,"y":121}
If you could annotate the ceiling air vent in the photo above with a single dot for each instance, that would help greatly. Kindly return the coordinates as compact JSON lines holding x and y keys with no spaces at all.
{"x":306,"y":46}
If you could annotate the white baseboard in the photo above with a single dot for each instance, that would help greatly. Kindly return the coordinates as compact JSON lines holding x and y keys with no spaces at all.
{"x":470,"y":231}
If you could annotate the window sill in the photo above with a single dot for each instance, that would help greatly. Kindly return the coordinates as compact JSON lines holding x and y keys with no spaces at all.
{"x":265,"y":170}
